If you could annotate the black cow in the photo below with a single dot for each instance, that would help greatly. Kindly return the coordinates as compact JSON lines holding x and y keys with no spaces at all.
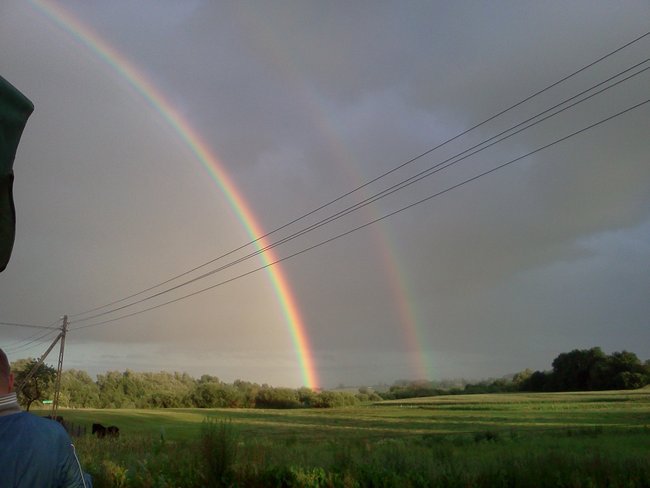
{"x":100,"y":430}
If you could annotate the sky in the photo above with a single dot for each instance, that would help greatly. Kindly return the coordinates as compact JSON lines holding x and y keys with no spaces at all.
{"x":301,"y":103}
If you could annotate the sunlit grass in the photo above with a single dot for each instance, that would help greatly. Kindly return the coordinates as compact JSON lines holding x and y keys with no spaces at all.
{"x":571,"y":439}
{"x":434,"y":415}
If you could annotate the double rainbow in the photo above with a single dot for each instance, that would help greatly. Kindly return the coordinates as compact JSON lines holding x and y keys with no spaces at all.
{"x":413,"y":329}
{"x":214,"y":166}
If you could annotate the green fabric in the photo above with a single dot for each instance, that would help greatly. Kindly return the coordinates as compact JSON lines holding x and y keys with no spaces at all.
{"x":15,"y":109}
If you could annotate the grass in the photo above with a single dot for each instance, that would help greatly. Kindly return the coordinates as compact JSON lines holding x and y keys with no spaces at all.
{"x":393,"y":419}
{"x":563,"y":439}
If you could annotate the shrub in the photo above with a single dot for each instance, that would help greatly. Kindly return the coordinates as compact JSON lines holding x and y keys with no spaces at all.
{"x":219,"y":451}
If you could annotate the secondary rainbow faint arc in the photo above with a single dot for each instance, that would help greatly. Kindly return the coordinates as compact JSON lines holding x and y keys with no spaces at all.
{"x":206,"y":157}
{"x":413,"y":328}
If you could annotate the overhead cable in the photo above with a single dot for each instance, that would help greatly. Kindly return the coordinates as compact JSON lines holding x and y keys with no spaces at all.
{"x":14,"y":324}
{"x":367,"y":224}
{"x":28,"y":343}
{"x":402,"y":165}
{"x":403,"y":184}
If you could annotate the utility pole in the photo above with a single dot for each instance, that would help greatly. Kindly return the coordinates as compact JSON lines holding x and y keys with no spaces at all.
{"x":57,"y":387}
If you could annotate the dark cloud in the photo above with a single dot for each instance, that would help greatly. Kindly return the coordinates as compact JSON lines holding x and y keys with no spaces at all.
{"x":302,"y":103}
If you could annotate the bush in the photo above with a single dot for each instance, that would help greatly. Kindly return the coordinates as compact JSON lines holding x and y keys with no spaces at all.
{"x":277,"y":398}
{"x":219,"y":451}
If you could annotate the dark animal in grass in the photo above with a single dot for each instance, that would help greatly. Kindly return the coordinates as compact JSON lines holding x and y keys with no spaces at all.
{"x":100,"y":430}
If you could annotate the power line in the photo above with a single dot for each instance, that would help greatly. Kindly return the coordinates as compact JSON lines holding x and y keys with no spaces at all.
{"x":13,"y":324}
{"x":430,"y":197}
{"x":22,"y":344}
{"x":28,"y":344}
{"x":431,"y":170}
{"x":403,"y":184}
{"x":400,"y":166}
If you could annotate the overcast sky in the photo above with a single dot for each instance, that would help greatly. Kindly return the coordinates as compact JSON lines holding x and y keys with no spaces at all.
{"x":303,"y":102}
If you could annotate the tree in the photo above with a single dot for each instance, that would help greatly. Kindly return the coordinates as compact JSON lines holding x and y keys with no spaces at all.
{"x":520,"y":378}
{"x":627,"y":371}
{"x":630,"y":381}
{"x":111,"y":391}
{"x":249,"y":392}
{"x":78,"y":389}
{"x":163,"y":389}
{"x":333,"y":399}
{"x":206,"y":395}
{"x":38,"y":387}
{"x":590,"y":369}
{"x":537,"y":381}
{"x":306,"y":396}
{"x":268,"y":397}
{"x":164,"y":399}
{"x":208,"y":378}
{"x":578,"y":370}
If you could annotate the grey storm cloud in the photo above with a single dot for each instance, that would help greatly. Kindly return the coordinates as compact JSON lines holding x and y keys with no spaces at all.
{"x":303,"y":102}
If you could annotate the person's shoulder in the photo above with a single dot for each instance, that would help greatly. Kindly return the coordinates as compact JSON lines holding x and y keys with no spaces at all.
{"x":43,"y":423}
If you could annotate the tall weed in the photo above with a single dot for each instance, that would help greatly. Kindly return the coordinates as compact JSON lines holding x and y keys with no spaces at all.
{"x":219,"y":451}
{"x":223,"y":457}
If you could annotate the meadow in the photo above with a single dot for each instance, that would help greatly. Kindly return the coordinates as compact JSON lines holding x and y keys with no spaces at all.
{"x":536,"y":439}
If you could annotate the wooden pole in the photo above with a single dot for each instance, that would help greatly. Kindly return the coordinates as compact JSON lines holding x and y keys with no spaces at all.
{"x":57,"y":387}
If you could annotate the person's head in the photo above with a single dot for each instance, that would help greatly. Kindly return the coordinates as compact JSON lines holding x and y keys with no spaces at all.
{"x":6,"y":376}
{"x":14,"y":111}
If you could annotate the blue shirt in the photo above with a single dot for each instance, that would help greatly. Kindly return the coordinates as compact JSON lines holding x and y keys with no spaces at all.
{"x":36,"y":452}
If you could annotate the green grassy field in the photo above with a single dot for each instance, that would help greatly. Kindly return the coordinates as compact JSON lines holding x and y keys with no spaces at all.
{"x":560,"y":439}
{"x":420,"y":416}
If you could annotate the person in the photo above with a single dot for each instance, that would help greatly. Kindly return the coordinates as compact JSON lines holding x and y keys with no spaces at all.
{"x":34,"y":451}
{"x":15,"y":109}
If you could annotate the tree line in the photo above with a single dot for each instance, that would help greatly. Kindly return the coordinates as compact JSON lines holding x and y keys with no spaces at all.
{"x":591,"y":369}
{"x":578,"y":370}
{"x":131,"y":389}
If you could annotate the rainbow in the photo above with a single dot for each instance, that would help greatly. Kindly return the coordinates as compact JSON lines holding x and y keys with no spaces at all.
{"x":412,"y":327}
{"x":201,"y":150}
